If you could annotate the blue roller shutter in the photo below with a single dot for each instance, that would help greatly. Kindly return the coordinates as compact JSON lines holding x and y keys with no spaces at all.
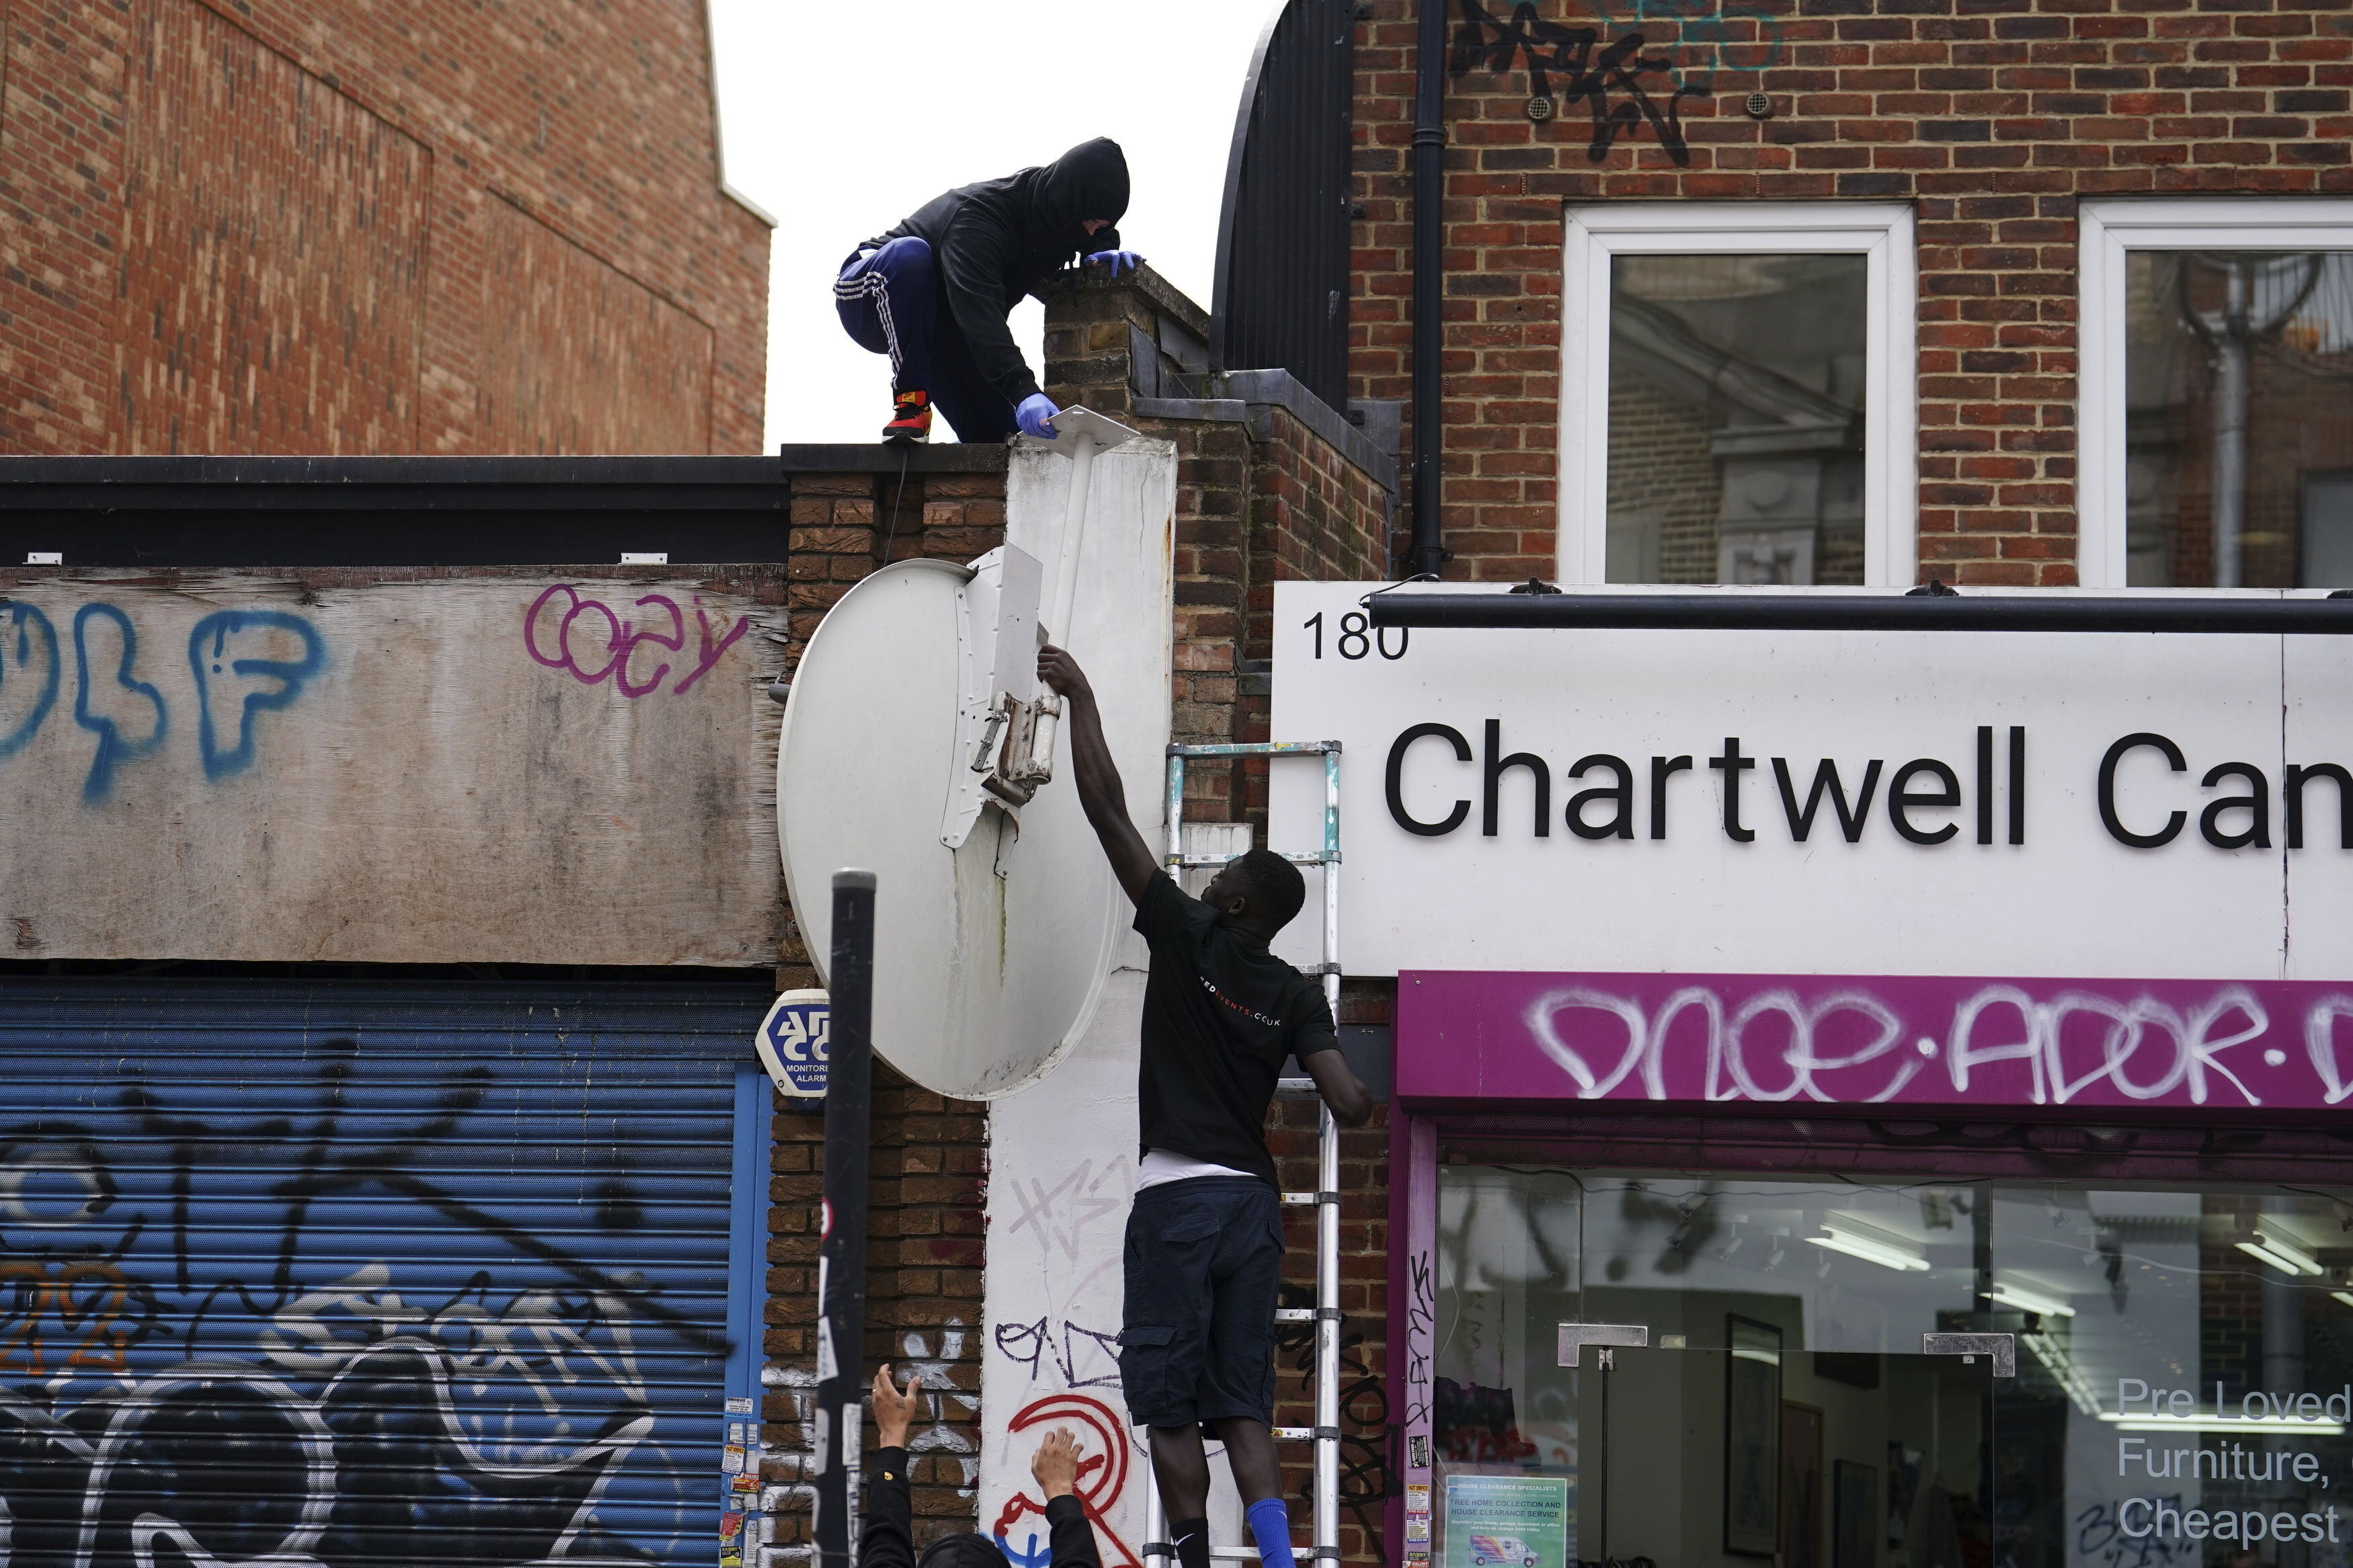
{"x":364,"y":1275}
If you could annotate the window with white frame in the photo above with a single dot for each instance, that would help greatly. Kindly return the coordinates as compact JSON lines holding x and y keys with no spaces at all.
{"x":1737,"y":394}
{"x":2215,"y":408}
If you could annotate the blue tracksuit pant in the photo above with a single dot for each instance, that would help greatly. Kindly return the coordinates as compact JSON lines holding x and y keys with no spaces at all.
{"x":890,"y":302}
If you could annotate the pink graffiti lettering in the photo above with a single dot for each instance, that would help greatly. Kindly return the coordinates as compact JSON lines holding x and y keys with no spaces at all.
{"x":622,"y":640}
{"x":1772,"y":1048}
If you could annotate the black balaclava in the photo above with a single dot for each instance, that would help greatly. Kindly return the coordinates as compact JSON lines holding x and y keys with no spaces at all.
{"x":965,"y":1550}
{"x":1088,"y":180}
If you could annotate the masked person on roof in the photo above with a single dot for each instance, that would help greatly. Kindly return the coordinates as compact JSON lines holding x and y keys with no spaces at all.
{"x":934,"y":293}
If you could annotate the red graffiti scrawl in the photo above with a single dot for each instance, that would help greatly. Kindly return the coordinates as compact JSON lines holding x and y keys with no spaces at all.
{"x":559,"y":641}
{"x":1103,"y":1472}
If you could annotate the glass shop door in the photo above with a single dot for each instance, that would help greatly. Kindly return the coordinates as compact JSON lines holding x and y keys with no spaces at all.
{"x":1747,"y":1455}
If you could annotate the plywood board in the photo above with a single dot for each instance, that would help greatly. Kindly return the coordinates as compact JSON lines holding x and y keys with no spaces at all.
{"x":515,"y":769}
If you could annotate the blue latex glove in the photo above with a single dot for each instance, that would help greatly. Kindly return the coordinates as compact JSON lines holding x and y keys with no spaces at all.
{"x":1121,"y":260}
{"x":1035,"y":415}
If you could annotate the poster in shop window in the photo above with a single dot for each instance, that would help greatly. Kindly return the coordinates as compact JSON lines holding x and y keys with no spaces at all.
{"x":1507,"y":1521}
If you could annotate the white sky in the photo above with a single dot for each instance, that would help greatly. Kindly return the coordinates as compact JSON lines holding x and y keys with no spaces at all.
{"x":842,"y":119}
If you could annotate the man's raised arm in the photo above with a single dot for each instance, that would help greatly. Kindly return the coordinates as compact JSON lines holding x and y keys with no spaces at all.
{"x":1100,"y":791}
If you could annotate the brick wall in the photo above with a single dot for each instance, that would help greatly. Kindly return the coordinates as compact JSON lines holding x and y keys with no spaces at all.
{"x":1366,"y":1465}
{"x":1250,"y":508}
{"x":928,"y":1163}
{"x":929,"y":1154}
{"x":322,"y":227}
{"x":1257,"y":503}
{"x":1993,"y":117}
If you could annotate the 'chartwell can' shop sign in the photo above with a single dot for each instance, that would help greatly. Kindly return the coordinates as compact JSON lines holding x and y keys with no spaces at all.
{"x":1813,"y":803}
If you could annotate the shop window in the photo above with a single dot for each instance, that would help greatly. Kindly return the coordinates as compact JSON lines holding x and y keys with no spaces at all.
{"x":1737,"y":396}
{"x":2217,"y":401}
{"x":2178,"y":1387}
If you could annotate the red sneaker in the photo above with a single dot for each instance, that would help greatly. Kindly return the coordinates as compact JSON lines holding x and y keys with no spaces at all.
{"x":911,"y":418}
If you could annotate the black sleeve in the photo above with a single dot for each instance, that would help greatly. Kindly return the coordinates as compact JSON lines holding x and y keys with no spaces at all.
{"x":889,"y":1541}
{"x":1163,"y":910}
{"x":1073,"y":1537}
{"x":973,"y":258}
{"x":1311,"y":1022}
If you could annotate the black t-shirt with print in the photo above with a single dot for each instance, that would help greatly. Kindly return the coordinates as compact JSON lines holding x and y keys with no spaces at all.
{"x":1219,"y":1018}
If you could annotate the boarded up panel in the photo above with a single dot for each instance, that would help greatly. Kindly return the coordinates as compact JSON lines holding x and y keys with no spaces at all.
{"x":273,"y":248}
{"x":229,"y":767}
{"x":580,"y":358}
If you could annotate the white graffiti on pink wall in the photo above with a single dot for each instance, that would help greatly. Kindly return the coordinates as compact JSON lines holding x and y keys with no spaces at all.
{"x":1898,"y":1040}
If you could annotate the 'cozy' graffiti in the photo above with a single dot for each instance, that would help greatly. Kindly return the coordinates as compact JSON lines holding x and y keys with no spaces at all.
{"x":593,"y":643}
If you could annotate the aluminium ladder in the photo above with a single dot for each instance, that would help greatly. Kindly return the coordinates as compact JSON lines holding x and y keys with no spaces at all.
{"x":1325,"y":1199}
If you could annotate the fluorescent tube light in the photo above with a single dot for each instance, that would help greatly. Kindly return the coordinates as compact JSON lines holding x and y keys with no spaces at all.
{"x":1869,"y":1249}
{"x":2029,"y":1300}
{"x":2124,"y":1423}
{"x":2344,"y":1296}
{"x":2284,"y":1255}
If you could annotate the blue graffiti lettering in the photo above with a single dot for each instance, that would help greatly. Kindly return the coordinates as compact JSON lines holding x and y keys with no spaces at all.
{"x":114,"y":747}
{"x":210,"y":663}
{"x":1036,"y":1556}
{"x":17,"y":666}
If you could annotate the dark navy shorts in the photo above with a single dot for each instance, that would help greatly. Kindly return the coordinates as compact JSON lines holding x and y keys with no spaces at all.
{"x":1196,"y":1337}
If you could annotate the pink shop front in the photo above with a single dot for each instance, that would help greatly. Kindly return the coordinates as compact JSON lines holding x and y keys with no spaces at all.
{"x":1858,"y":1103}
{"x":1698,"y":1270}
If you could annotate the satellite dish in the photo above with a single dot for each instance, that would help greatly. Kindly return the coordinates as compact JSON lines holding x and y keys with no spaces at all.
{"x":917,"y":743}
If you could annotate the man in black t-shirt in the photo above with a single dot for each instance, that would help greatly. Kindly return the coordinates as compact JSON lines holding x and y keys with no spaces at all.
{"x":1205,"y":1237}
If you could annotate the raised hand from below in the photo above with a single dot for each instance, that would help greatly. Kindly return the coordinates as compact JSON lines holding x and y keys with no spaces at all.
{"x":1056,"y":1464}
{"x":894,"y":1411}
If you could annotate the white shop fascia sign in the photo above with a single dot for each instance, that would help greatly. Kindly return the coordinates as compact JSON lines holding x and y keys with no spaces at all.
{"x":1823,"y":803}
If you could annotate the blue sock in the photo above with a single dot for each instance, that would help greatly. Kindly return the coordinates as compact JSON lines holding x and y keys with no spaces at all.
{"x":1270,"y":1524}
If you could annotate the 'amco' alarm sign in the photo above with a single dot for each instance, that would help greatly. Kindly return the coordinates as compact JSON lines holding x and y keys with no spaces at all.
{"x":793,"y":1043}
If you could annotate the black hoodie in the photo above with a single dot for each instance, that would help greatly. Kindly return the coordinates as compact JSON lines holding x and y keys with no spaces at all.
{"x":998,"y":240}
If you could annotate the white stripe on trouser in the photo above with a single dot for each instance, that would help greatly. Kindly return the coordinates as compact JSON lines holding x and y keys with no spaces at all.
{"x":875,"y":287}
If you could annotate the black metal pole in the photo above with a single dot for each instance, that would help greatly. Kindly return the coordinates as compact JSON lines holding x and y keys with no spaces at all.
{"x":1429,"y":278}
{"x":1862,"y":613}
{"x":841,"y":1252}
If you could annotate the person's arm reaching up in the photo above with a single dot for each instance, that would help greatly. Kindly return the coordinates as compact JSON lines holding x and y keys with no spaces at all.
{"x":1056,"y":1466}
{"x":1342,"y":1091}
{"x":1101,"y":793}
{"x":889,"y":1541}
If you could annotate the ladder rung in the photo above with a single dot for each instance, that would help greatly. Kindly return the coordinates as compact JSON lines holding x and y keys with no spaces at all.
{"x":1309,"y":1200}
{"x":1294,"y":1314}
{"x":1293,"y":1434}
{"x":1294,"y":1086}
{"x":1233,"y":1555}
{"x":1257,"y":749}
{"x":1204,"y":862}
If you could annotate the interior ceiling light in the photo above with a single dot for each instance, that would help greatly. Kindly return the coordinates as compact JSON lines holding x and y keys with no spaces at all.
{"x":2344,"y":1296}
{"x":2282,"y":1254}
{"x":2142,"y":1423}
{"x":2027,"y":1300}
{"x":1870,"y":1248}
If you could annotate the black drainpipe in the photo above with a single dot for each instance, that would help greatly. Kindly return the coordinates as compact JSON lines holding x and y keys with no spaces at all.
{"x":1429,"y":240}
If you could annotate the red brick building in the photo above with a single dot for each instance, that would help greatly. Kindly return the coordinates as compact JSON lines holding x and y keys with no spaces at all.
{"x":259,"y":227}
{"x":1963,"y":285}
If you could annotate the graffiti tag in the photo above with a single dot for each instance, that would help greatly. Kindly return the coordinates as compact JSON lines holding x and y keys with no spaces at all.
{"x":554,"y":634}
{"x":1609,"y":83}
{"x":1103,"y":1477}
{"x":244,"y":662}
